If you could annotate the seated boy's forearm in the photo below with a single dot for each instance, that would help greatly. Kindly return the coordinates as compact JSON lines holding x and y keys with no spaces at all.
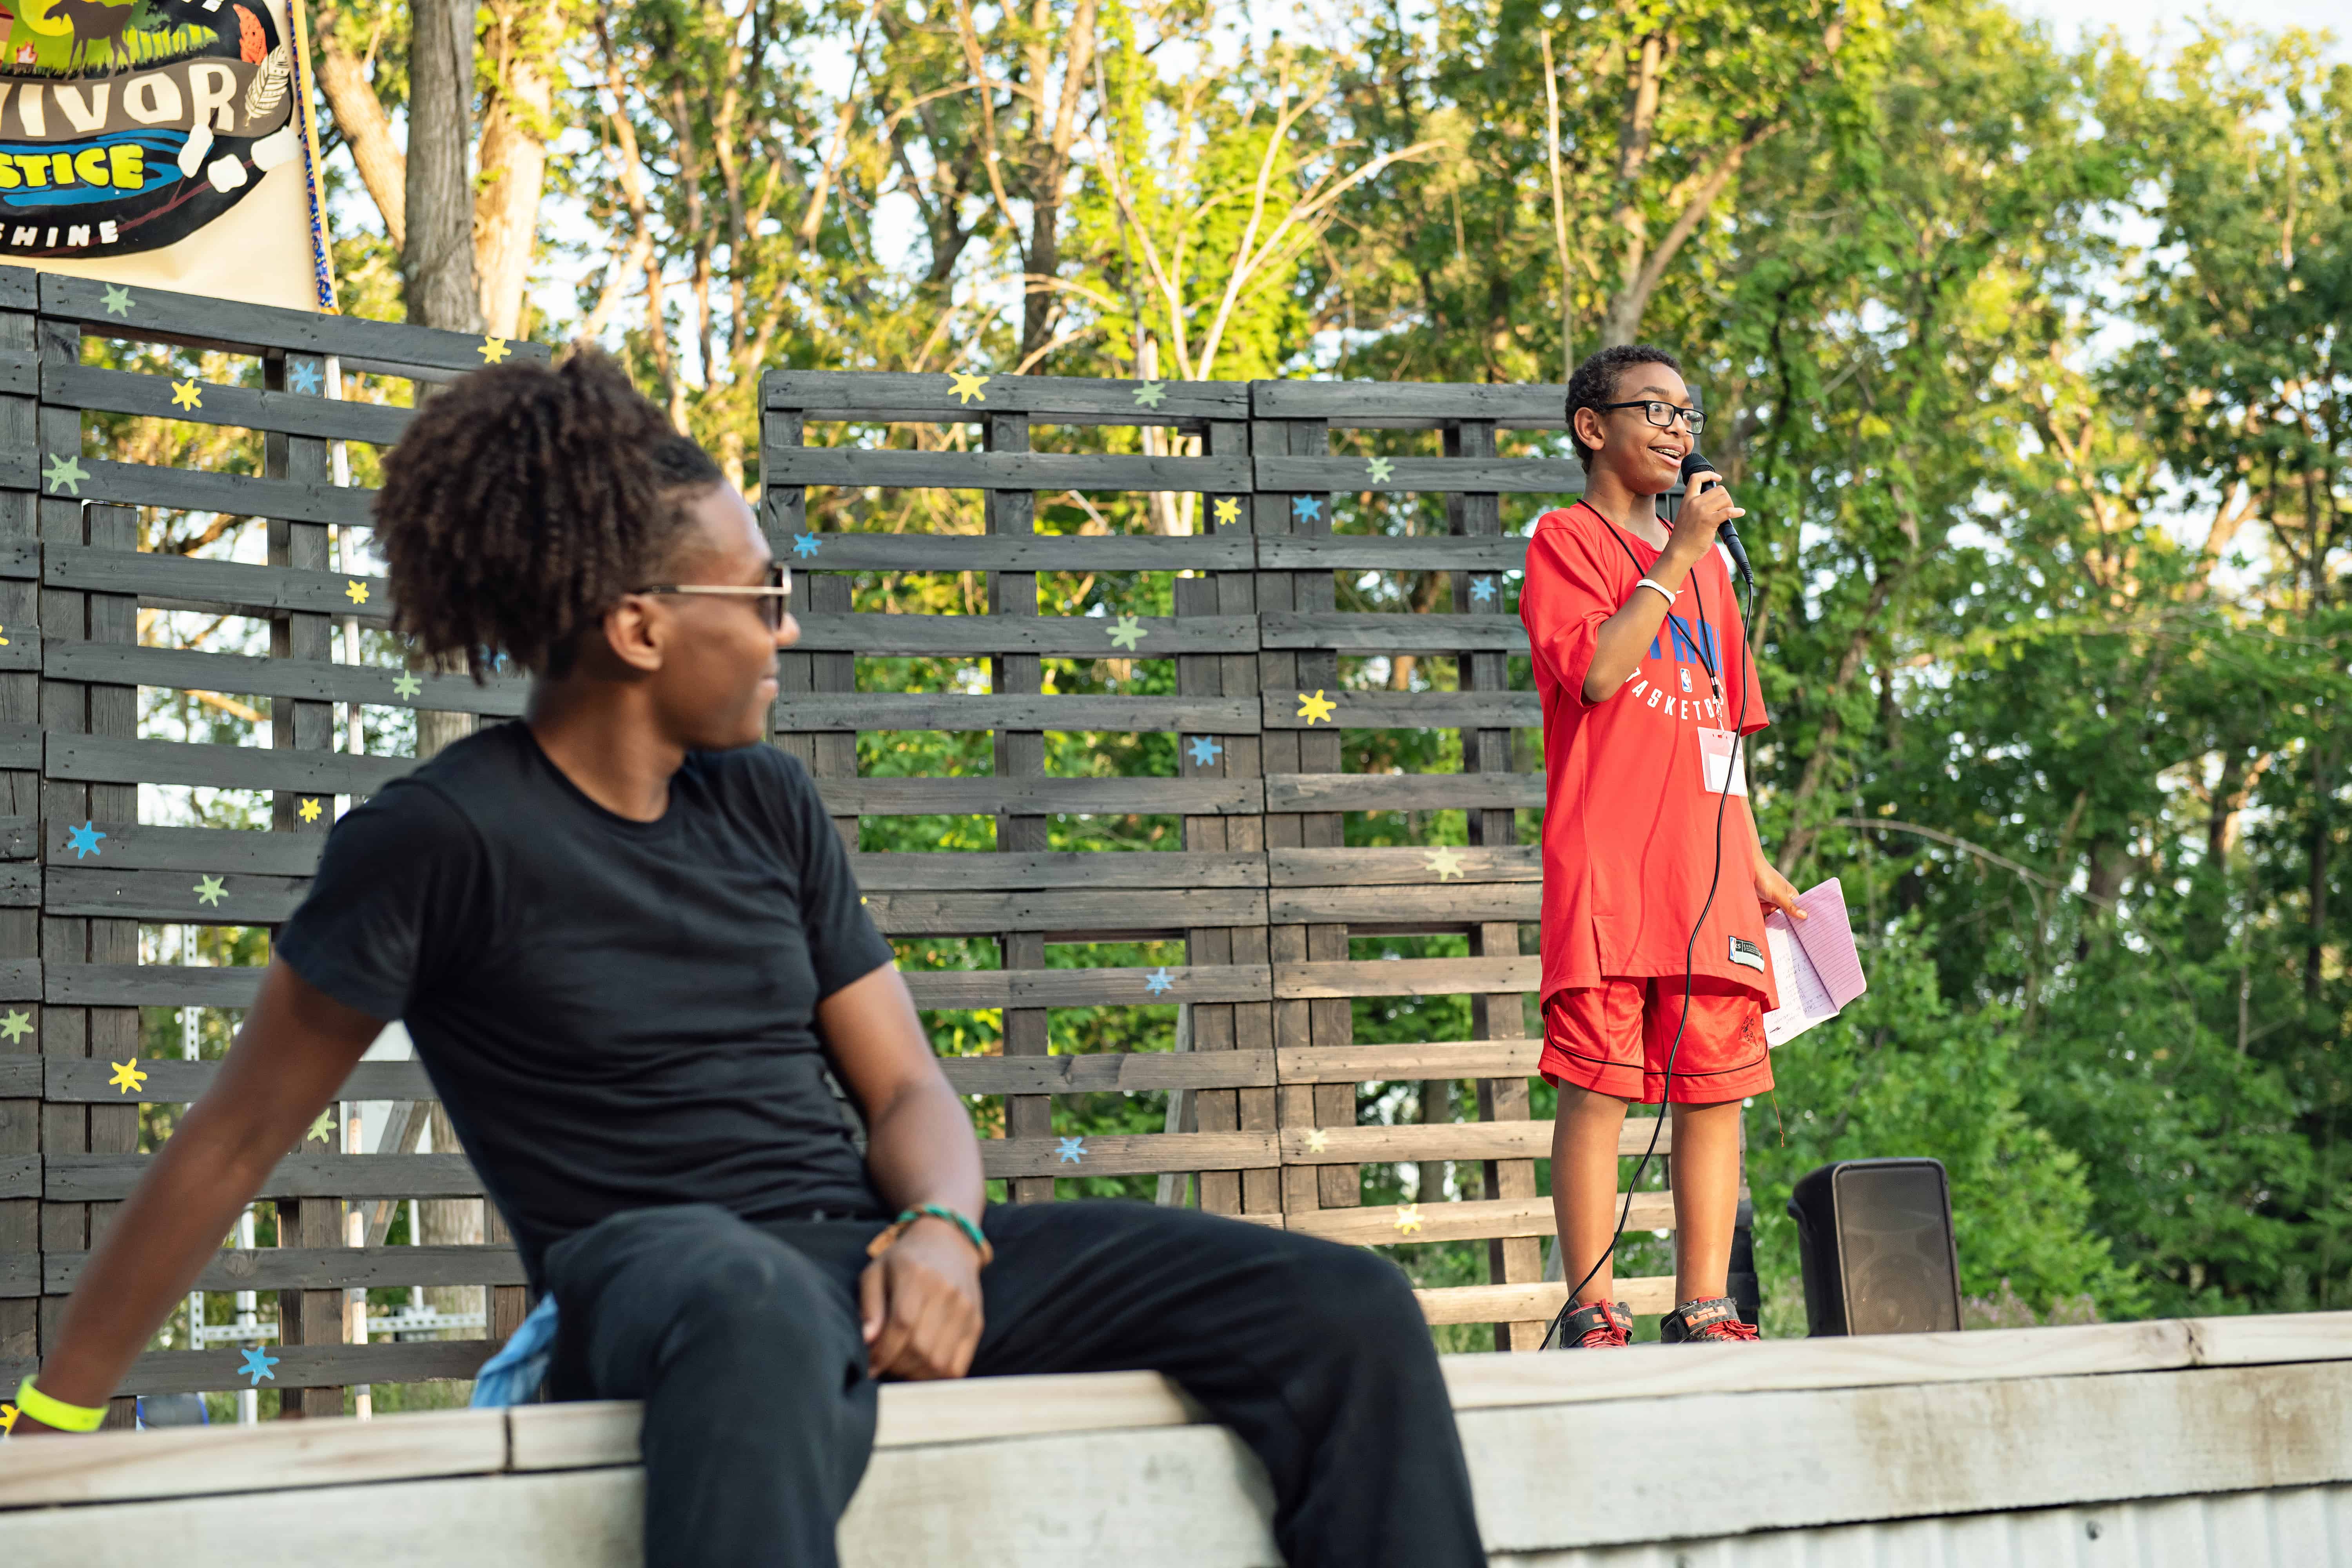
{"x":919,"y":1148}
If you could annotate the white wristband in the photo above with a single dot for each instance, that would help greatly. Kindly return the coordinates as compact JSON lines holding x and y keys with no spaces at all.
{"x":1660,"y":587}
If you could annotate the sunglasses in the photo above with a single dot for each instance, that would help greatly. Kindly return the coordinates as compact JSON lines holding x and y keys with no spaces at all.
{"x":774,"y":594}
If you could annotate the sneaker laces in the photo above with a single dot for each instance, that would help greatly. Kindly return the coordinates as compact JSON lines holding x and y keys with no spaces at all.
{"x":1729,"y":1329}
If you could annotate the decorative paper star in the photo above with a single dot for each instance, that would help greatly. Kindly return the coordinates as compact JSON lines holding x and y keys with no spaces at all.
{"x":309,"y":810}
{"x":1381,"y":470}
{"x":1071,"y":1150}
{"x":3,"y":641}
{"x":407,"y":684}
{"x":257,"y":1365}
{"x":1305,"y":508}
{"x":305,"y":377}
{"x":127,"y":1076}
{"x":16,"y":1025}
{"x":1158,"y":980}
{"x":1127,"y":632}
{"x":1151,"y":394}
{"x":806,"y":544}
{"x":65,"y":474}
{"x":186,"y":394}
{"x":322,"y":1128}
{"x":1446,"y":862}
{"x":968,"y":385}
{"x":493,"y":349}
{"x":1317,"y":709}
{"x":355,"y":591}
{"x":1317,"y":1140}
{"x":1482,"y":589}
{"x":210,"y":889}
{"x":117,"y":300}
{"x":1204,"y":750}
{"x":83,"y":840}
{"x":7,"y":1419}
{"x":1228,"y":510}
{"x":1408,"y":1219}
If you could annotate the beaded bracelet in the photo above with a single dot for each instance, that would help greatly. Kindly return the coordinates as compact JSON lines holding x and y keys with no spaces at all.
{"x":962,"y":1222}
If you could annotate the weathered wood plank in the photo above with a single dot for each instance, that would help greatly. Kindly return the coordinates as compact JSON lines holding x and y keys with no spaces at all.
{"x":954,"y":871}
{"x":105,"y":758}
{"x":20,"y":1175}
{"x":1536,"y":1303}
{"x":1429,"y":476}
{"x":326,"y":1268}
{"x":120,"y":892}
{"x":1392,"y":868}
{"x":138,"y":846}
{"x":1406,"y":978}
{"x":966,"y":711}
{"x":914,"y":398}
{"x":20,"y":745}
{"x":147,"y":985}
{"x":1050,"y":796}
{"x":1403,"y":632}
{"x":1135,"y":1072}
{"x":291,"y":413}
{"x":176,"y":581}
{"x":316,"y":680}
{"x":1433,"y":904}
{"x":1412,"y":404}
{"x":1386,"y":552}
{"x":1123,"y":1155}
{"x":1054,"y":909}
{"x":1061,"y":637}
{"x":964,"y":989}
{"x":300,"y":1366}
{"x":1025,"y":553}
{"x":861,"y":468}
{"x":238,"y":495}
{"x":170,"y":1081}
{"x":1437,"y":1059}
{"x":1403,"y":791}
{"x":105,"y":1178}
{"x":1473,"y":1219}
{"x":1288,"y":709}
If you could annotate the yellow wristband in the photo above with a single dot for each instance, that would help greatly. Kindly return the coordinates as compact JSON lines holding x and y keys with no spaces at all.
{"x":56,"y":1413}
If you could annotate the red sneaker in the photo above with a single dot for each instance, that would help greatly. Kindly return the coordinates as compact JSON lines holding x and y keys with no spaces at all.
{"x":1596,"y":1325}
{"x":1714,"y":1320}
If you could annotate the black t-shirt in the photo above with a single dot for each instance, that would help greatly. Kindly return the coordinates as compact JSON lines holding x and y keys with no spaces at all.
{"x":617,"y":1015}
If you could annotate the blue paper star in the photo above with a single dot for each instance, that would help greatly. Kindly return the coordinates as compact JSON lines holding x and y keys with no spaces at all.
{"x":1482,"y":589}
{"x":1071,"y":1150}
{"x":805,"y":545}
{"x":1158,"y":980}
{"x":1305,"y":508}
{"x":83,"y":840}
{"x":257,"y":1363}
{"x":1204,"y":750}
{"x":304,"y":377}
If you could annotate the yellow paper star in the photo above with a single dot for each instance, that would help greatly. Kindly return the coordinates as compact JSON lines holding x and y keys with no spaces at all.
{"x":1446,"y":862}
{"x":1317,"y":1140}
{"x":127,"y":1076}
{"x":968,"y":385}
{"x":3,"y":641}
{"x":309,"y":810}
{"x":322,"y":1128}
{"x":1317,"y":709}
{"x":493,"y":349}
{"x":185,"y":395}
{"x":355,"y":591}
{"x":7,"y":1419}
{"x":1408,"y":1219}
{"x":1228,"y":510}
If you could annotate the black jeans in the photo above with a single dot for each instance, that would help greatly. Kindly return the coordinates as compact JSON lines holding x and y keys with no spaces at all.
{"x":743,"y":1344}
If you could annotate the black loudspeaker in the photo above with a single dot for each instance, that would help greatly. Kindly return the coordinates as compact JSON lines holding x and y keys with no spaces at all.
{"x":1876,"y":1240}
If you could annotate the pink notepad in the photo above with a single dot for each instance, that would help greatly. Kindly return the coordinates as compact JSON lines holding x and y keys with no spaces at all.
{"x":1814,"y":964}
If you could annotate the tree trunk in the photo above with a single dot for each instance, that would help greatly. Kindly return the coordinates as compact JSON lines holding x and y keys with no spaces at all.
{"x":516,"y":125}
{"x":437,"y":261}
{"x":366,"y":129}
{"x":451,"y":1222}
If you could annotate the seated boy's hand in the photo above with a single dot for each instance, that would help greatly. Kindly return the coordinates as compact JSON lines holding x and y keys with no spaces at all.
{"x":920,"y":1304}
{"x":1774,"y":892}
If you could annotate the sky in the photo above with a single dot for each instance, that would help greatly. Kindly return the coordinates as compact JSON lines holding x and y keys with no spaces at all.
{"x":2140,"y":20}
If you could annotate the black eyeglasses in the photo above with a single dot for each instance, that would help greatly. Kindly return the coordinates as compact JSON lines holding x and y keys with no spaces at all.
{"x":1664,"y":415}
{"x":774,"y":594}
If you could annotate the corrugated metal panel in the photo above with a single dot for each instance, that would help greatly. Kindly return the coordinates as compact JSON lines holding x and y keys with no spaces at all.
{"x":2303,"y":1527}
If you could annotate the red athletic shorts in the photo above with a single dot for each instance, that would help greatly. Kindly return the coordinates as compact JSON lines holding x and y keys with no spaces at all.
{"x":1612,"y":1039}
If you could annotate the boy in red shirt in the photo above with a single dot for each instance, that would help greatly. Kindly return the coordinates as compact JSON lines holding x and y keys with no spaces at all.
{"x":1640,"y":662}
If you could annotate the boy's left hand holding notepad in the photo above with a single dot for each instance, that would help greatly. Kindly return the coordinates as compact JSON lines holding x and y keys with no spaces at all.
{"x":1814,"y":964}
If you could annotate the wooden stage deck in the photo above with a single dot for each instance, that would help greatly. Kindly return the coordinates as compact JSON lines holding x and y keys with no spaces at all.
{"x":2208,"y":1442}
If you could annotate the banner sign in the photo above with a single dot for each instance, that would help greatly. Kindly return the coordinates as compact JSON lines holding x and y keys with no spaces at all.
{"x":163,"y":142}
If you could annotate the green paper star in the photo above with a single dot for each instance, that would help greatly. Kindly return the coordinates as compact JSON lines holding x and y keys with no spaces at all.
{"x":323,"y":1128}
{"x":1151,"y":394}
{"x":117,"y":300}
{"x":209,"y":889}
{"x":65,"y":474}
{"x":16,"y":1025}
{"x":1129,"y":632}
{"x":1383,"y":471}
{"x":407,"y":684}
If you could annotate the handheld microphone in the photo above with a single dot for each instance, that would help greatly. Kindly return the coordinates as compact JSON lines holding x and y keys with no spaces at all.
{"x":1726,"y":533}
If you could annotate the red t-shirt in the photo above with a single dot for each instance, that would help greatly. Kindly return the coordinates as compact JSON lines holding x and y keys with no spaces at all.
{"x":1630,"y":792}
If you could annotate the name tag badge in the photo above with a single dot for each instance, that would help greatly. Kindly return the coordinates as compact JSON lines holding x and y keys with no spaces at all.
{"x":1718,"y":752}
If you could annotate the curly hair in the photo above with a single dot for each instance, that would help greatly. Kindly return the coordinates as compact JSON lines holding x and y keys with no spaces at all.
{"x":1595,"y":383}
{"x":523,"y":501}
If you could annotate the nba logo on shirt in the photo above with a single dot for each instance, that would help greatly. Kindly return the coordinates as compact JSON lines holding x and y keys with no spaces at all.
{"x":1686,"y":680}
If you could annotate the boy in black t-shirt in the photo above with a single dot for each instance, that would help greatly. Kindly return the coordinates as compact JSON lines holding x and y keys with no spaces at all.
{"x":627,"y":940}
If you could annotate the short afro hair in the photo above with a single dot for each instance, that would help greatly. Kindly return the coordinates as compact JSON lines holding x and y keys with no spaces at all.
{"x":523,"y":501}
{"x":1595,"y":383}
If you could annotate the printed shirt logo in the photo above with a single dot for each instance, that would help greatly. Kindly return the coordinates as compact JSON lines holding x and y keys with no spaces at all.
{"x":1744,"y":951}
{"x":1695,"y":704}
{"x":128,"y":127}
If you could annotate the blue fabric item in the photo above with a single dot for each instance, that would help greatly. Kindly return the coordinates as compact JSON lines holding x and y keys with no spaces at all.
{"x":513,"y":1375}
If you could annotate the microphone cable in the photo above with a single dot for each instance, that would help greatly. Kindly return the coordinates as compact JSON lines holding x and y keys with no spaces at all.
{"x":1690,"y":943}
